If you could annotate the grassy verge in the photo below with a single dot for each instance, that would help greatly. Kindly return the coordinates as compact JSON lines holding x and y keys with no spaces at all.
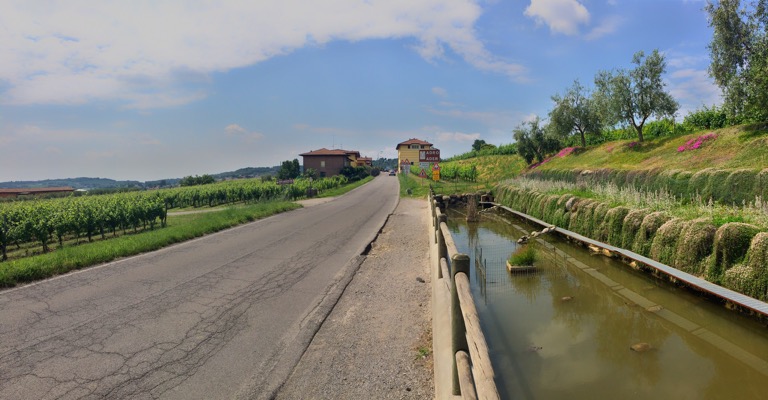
{"x":419,"y":187}
{"x":346,"y":188}
{"x":180,"y":228}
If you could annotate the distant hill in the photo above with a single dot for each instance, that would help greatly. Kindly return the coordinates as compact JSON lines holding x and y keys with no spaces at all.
{"x":105,"y":183}
{"x":248,"y":172}
{"x":77,"y":183}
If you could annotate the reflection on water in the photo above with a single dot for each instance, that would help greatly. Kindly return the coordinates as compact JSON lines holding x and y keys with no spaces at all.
{"x":565,"y":331}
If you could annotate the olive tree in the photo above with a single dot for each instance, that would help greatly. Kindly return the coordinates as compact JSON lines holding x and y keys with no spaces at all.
{"x":575,"y":113}
{"x":739,"y":52}
{"x":631,"y":97}
{"x":533,"y":141}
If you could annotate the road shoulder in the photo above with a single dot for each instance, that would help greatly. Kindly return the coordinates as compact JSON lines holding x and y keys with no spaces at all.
{"x":377,"y":340}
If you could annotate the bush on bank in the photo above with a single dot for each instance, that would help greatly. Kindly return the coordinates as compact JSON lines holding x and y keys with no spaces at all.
{"x":735,"y":255}
{"x":719,"y":185}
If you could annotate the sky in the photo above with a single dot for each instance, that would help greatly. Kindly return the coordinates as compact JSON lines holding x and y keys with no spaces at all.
{"x":153,"y":89}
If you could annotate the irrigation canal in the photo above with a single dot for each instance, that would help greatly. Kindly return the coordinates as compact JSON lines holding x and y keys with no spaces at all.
{"x":566,"y":330}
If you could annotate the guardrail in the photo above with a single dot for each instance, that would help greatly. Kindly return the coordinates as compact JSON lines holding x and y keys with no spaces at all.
{"x":473,"y":376}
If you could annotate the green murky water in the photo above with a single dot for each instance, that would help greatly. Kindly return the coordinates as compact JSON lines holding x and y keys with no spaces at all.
{"x":546,"y":347}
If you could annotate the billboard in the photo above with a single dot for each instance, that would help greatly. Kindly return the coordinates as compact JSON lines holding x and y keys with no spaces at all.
{"x":432,"y":155}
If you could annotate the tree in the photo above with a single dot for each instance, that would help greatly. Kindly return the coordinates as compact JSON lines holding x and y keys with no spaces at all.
{"x":478,"y":144}
{"x":739,"y":52}
{"x":289,"y":169}
{"x":634,"y":96}
{"x":533,"y":142}
{"x":575,"y":113}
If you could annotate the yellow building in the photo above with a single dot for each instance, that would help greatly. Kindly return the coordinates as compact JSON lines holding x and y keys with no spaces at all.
{"x":408,"y":152}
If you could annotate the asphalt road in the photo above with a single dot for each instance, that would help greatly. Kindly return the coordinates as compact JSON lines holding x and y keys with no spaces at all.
{"x":224,"y":316}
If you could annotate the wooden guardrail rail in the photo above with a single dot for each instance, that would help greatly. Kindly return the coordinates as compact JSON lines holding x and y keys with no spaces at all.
{"x":473,"y":376}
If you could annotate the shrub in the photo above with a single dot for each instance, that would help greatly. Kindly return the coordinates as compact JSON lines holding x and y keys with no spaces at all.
{"x":523,"y":255}
{"x":664,"y":245}
{"x":731,"y":244}
{"x":631,"y":226}
{"x":648,"y":228}
{"x":706,"y":118}
{"x":740,"y":186}
{"x":599,"y":226}
{"x":614,"y":219}
{"x":694,"y":246}
{"x":751,"y":277}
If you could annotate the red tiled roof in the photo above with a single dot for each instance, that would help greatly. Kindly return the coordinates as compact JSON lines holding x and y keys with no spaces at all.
{"x":36,"y":190}
{"x":333,"y":152}
{"x":412,"y":141}
{"x":325,"y":152}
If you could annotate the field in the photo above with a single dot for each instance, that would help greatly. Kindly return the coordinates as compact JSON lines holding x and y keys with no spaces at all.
{"x":42,"y":238}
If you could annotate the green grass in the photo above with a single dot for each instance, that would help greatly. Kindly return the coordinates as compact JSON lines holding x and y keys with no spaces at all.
{"x":523,"y":256}
{"x":735,"y":147}
{"x":420,"y":186}
{"x":180,"y":228}
{"x":345,"y":188}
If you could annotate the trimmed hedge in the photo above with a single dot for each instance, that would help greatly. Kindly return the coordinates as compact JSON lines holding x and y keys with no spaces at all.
{"x":732,"y":241}
{"x":719,"y":185}
{"x":735,"y":255}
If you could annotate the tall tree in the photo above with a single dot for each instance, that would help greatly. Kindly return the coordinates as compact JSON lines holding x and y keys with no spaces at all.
{"x":739,"y":51}
{"x":575,"y":113}
{"x":633,"y":96}
{"x":533,"y":141}
{"x":478,"y":144}
{"x":289,"y":169}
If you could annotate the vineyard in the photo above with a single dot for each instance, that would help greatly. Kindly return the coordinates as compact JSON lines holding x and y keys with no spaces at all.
{"x":41,"y":222}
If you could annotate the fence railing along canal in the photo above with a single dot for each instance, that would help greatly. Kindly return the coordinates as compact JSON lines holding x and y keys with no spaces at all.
{"x":473,"y":375}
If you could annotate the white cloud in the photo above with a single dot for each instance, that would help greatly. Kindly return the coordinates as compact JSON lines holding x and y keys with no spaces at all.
{"x":693,"y":88}
{"x":237,"y":130}
{"x":457,"y":137}
{"x":150,"y":54}
{"x":562,"y":16}
{"x":607,"y":26}
{"x":439,"y":91}
{"x":234,"y":129}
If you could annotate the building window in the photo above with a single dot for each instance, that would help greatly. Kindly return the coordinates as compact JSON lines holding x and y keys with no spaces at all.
{"x":415,"y":146}
{"x":322,"y":173}
{"x":322,"y":164}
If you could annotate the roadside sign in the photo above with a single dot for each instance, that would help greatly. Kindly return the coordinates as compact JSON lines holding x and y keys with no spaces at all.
{"x":436,"y":167}
{"x":425,"y":166}
{"x":436,"y":175}
{"x":432,"y":155}
{"x":423,"y":174}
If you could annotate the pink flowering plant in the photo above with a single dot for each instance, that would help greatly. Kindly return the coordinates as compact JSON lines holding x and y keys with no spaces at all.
{"x":695,"y":143}
{"x":566,"y":151}
{"x":632,"y":145}
{"x":546,"y":160}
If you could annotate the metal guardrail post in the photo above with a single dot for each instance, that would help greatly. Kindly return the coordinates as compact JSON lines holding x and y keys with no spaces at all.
{"x":459,"y":263}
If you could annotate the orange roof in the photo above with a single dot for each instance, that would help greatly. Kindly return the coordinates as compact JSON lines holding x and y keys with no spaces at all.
{"x":333,"y":152}
{"x":412,"y":141}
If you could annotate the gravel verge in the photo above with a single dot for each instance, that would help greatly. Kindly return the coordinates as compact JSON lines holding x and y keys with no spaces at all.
{"x":376,"y":343}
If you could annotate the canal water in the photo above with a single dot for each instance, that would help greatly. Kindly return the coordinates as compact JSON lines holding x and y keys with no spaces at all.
{"x":565,"y":331}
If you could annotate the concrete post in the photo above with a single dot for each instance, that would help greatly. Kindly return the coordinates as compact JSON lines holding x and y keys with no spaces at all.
{"x":459,"y":263}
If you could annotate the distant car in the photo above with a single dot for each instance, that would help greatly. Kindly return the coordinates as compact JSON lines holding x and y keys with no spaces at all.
{"x":392,"y":173}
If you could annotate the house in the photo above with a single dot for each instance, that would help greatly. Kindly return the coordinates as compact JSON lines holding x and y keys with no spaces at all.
{"x":365,"y":161}
{"x":330,"y":162}
{"x":35,"y":191}
{"x":408,"y":153}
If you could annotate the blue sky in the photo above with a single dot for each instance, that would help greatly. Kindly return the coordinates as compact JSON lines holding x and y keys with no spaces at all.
{"x":147,"y":90}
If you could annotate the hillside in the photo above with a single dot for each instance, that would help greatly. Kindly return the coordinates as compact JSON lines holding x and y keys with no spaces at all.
{"x":105,"y":183}
{"x":729,"y":148}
